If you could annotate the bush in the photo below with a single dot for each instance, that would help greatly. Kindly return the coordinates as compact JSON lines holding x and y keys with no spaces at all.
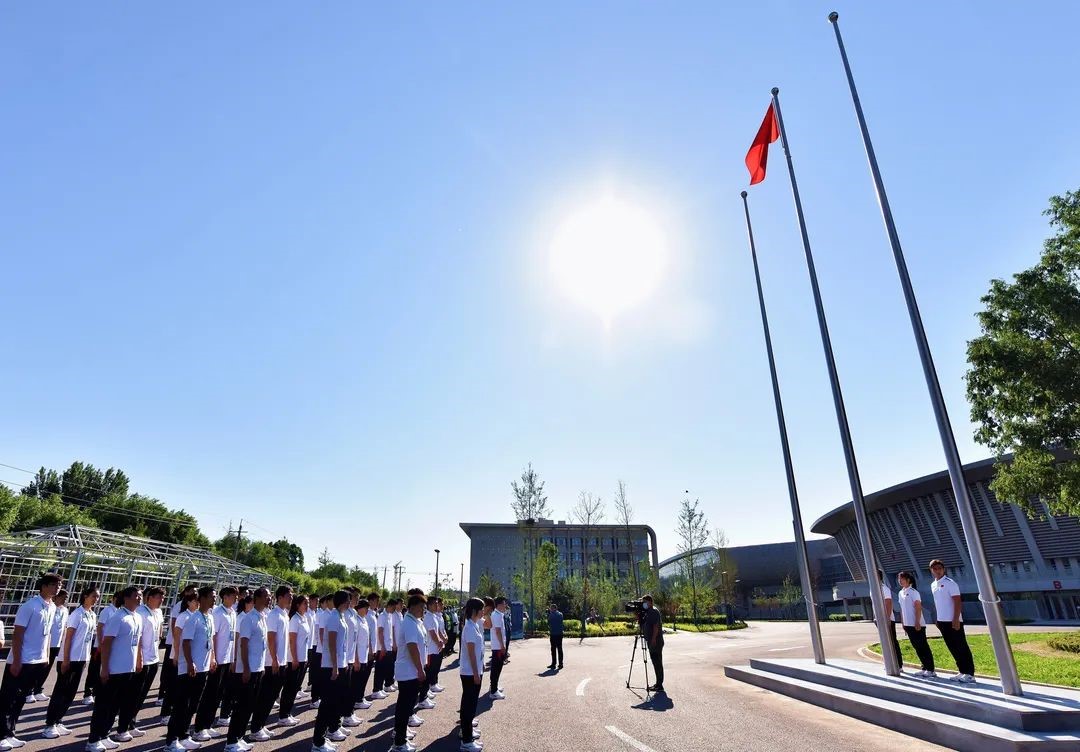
{"x":703,"y":627}
{"x":841,"y":617}
{"x":1067,"y":641}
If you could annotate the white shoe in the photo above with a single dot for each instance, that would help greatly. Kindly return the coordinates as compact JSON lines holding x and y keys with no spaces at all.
{"x":323,"y":748}
{"x":88,"y":701}
{"x":50,"y":732}
{"x":174,"y":746}
{"x":350,"y":721}
{"x":31,"y":697}
{"x":268,"y":730}
{"x":259,"y":736}
{"x":64,"y":730}
{"x":316,"y":703}
{"x":14,"y":742}
{"x":158,"y":702}
{"x":955,"y":677}
{"x":235,"y":748}
{"x":470,"y":747}
{"x":337,"y":736}
{"x":288,"y":721}
{"x":302,"y":695}
{"x":246,"y":746}
{"x":201,"y":736}
{"x":123,"y":736}
{"x":110,"y":744}
{"x":189,"y":743}
{"x":136,"y":732}
{"x":362,"y":705}
{"x":967,"y":679}
{"x":415,"y":720}
{"x":437,"y":688}
{"x":277,"y":704}
{"x":392,"y":687}
{"x":164,"y":720}
{"x":406,"y":747}
{"x":90,"y":747}
{"x":214,"y":733}
{"x":476,"y":733}
{"x":426,"y":705}
{"x":497,"y":695}
{"x":380,"y":695}
{"x":221,"y":722}
{"x":430,"y":695}
{"x":409,"y":734}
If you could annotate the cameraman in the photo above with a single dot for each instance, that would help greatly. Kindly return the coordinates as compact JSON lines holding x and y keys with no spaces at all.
{"x":652,"y":627}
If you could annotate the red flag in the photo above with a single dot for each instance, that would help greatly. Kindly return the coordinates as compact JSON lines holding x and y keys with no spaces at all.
{"x":759,"y":150}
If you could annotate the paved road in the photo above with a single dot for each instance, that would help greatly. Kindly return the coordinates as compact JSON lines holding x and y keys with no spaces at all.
{"x":587,"y":705}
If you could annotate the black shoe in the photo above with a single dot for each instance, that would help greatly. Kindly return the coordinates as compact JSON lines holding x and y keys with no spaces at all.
{"x":560,"y":665}
{"x":552,"y":667}
{"x":656,"y":688}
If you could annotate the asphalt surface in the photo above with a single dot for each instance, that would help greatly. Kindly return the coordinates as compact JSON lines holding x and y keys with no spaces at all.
{"x":588,"y":706}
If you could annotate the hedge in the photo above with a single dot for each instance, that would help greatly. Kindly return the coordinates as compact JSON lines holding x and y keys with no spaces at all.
{"x":841,"y":617}
{"x":1067,"y":641}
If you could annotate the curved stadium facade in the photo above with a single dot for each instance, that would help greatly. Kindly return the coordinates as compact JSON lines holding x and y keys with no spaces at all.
{"x":1035,"y":562}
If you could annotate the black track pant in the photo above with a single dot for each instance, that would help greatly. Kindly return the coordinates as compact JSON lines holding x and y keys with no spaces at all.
{"x":360,"y":680}
{"x":116,"y":697}
{"x":40,"y":688}
{"x":556,"y":647}
{"x":13,"y":693}
{"x":390,"y":666}
{"x":63,"y":694}
{"x":656,"y":655}
{"x":168,"y":679}
{"x":187,"y":693}
{"x":497,"y":659}
{"x":408,"y":690}
{"x":922,"y":647}
{"x":329,"y":716}
{"x":244,"y":696}
{"x":896,"y":642}
{"x":470,"y":693}
{"x":294,"y":679}
{"x":268,"y":692}
{"x":957,"y":643}
{"x":315,"y":672}
{"x":211,"y":698}
{"x":148,"y":674}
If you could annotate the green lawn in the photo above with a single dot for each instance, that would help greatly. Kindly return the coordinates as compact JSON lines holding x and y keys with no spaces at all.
{"x":707,"y":627}
{"x":1035,"y":660}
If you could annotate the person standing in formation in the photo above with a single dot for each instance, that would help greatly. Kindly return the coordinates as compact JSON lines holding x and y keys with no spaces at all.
{"x":950,"y":622}
{"x":93,"y":671}
{"x":384,"y":677}
{"x":373,"y":658}
{"x":224,"y":624}
{"x":152,"y":620}
{"x":277,"y":647}
{"x":28,"y":657}
{"x":196,"y":641}
{"x":56,"y":636}
{"x":168,"y":668}
{"x":887,"y":599}
{"x":471,"y":667}
{"x":334,"y":680}
{"x":75,"y":652}
{"x":911,"y":616}
{"x":409,"y":671}
{"x":363,"y":659}
{"x":298,"y":650}
{"x":121,"y":670}
{"x":248,"y":669}
{"x":498,"y":646}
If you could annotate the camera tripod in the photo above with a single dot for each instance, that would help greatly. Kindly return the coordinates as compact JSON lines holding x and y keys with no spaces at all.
{"x":640,"y":641}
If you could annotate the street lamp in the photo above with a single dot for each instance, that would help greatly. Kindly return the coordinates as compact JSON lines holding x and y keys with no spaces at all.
{"x":436,"y":571}
{"x":461,"y":586}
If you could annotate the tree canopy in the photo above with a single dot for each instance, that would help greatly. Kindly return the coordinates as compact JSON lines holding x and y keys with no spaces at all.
{"x":1024,"y":378}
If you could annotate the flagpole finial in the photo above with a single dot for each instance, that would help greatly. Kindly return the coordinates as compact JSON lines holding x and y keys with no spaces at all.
{"x":743,"y":194}
{"x":833,"y":17}
{"x":775,"y":90}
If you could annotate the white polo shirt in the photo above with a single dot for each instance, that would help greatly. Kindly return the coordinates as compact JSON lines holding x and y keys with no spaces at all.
{"x":498,"y":622}
{"x":311,"y":617}
{"x":320,"y":630}
{"x":181,"y":622}
{"x":431,"y":624}
{"x":152,"y":619}
{"x":199,"y":629}
{"x":412,"y":632}
{"x":224,"y":629}
{"x":373,"y":631}
{"x":125,"y":628}
{"x":363,"y":640}
{"x":386,"y":625}
{"x":909,"y":596}
{"x":36,"y":617}
{"x":59,"y":626}
{"x":472,"y":634}
{"x":174,"y":613}
{"x":352,"y":632}
{"x":886,"y":595}
{"x":84,"y":623}
{"x":277,"y":621}
{"x":301,"y":627}
{"x":253,"y":627}
{"x":103,"y":618}
{"x":398,"y":619}
{"x":944,"y":590}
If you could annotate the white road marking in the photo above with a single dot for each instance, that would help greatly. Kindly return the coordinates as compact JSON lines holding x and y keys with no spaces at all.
{"x":581,"y":686}
{"x":780,"y":650}
{"x":630,"y":740}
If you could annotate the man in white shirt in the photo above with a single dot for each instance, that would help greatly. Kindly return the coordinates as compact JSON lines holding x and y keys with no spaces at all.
{"x":364,"y":655}
{"x":373,"y":600}
{"x":56,"y":637}
{"x":433,"y":632}
{"x":277,"y":657}
{"x":387,"y":646}
{"x":224,"y":617}
{"x":499,"y":640}
{"x":195,"y":661}
{"x":412,"y":657}
{"x":121,"y":667}
{"x":352,"y":666}
{"x":168,"y":667}
{"x":28,"y":658}
{"x":152,"y":622}
{"x":93,"y":670}
{"x":887,"y":599}
{"x":248,"y":669}
{"x":950,"y":621}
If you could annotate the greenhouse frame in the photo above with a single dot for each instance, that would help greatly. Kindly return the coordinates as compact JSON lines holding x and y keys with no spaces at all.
{"x":84,"y":555}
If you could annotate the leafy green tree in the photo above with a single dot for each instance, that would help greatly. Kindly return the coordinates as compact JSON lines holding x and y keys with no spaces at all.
{"x":1024,"y":377}
{"x":489,"y":587}
{"x":693,"y":534}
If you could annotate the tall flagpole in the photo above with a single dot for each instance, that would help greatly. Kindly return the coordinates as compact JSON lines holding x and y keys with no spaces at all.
{"x":991,"y":603}
{"x":892,"y":664}
{"x":793,"y":495}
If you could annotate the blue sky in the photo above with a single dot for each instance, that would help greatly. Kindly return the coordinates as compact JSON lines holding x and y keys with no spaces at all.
{"x":291,"y":265}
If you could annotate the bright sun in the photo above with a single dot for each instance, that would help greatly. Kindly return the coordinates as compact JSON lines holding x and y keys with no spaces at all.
{"x":608,"y":256}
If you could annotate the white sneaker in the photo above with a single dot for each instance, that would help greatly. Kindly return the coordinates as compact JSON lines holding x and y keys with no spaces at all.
{"x":221,"y":722}
{"x":470,"y":747}
{"x":246,"y":746}
{"x":90,"y":746}
{"x":123,"y":736}
{"x":259,"y":736}
{"x":41,"y":697}
{"x":316,"y":703}
{"x":415,"y":720}
{"x":268,"y":730}
{"x":50,"y":732}
{"x":380,"y":695}
{"x":362,"y":705}
{"x":64,"y":730}
{"x":277,"y":703}
{"x":136,"y":732}
{"x":214,"y":733}
{"x":409,"y":734}
{"x":31,"y":697}
{"x":302,"y":695}
{"x":497,"y":695}
{"x":437,"y":688}
{"x":475,"y":722}
{"x":324,"y":747}
{"x":967,"y":679}
{"x":288,"y":721}
{"x":88,"y":701}
{"x":350,"y":721}
{"x":337,"y":736}
{"x":14,"y":742}
{"x":392,"y":687}
{"x":476,"y":733}
{"x":174,"y":746}
{"x":110,"y":744}
{"x":189,"y":743}
{"x":426,"y":704}
{"x":956,"y":677}
{"x":235,"y":748}
{"x":201,"y":736}
{"x":406,"y":747}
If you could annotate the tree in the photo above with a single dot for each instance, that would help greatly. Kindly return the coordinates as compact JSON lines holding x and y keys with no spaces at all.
{"x":588,"y":513}
{"x":1024,"y":377}
{"x":724,"y":570}
{"x":488,"y":586}
{"x":529,"y":501}
{"x":624,"y":514}
{"x":693,"y":533}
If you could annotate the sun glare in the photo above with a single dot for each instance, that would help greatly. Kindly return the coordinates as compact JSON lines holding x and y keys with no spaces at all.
{"x":608,"y":256}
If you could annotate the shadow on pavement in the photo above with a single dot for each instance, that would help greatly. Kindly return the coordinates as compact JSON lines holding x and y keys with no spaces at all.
{"x":659,"y":702}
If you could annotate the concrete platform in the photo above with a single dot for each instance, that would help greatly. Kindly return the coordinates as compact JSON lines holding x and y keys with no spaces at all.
{"x":974,"y":717}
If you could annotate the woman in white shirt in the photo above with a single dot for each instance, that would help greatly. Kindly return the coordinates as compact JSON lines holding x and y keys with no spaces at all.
{"x":911,"y":614}
{"x":471,"y":666}
{"x":334,"y":683}
{"x":299,"y":642}
{"x":79,"y":633}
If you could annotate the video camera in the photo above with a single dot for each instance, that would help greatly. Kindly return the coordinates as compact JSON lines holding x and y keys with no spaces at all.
{"x":637,"y":606}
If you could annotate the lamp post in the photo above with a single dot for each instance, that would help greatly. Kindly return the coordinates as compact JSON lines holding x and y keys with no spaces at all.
{"x":436,"y":591}
{"x":461,"y":586}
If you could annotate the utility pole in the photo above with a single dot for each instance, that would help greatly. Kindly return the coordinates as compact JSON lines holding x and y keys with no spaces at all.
{"x":436,"y":590}
{"x":461,"y":586}
{"x":239,"y":530}
{"x":384,"y":577}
